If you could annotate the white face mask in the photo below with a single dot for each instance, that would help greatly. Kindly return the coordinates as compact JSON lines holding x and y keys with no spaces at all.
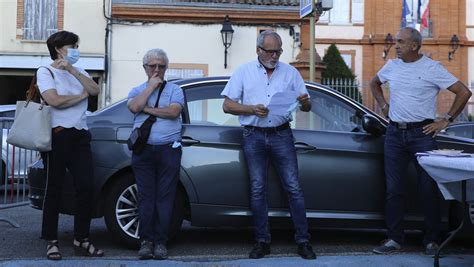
{"x":73,"y":55}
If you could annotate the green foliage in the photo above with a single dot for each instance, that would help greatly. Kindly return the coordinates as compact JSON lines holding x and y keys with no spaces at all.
{"x":336,"y":69}
{"x":335,"y":66}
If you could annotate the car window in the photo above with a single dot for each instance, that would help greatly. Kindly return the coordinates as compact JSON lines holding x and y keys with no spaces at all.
{"x":118,"y":111}
{"x":7,"y":114}
{"x":461,"y":131}
{"x":205,"y":106}
{"x":328,"y":113}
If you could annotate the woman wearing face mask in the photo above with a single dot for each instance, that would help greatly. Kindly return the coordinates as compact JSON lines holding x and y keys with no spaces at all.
{"x":66,"y":89}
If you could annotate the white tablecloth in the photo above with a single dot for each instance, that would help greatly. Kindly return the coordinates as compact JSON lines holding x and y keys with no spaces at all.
{"x":448,"y":172}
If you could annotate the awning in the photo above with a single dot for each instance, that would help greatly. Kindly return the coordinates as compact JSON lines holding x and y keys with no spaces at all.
{"x":9,"y":61}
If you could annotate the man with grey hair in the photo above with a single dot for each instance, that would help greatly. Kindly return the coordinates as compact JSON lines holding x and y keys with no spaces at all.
{"x":261,"y":86}
{"x":414,"y":82}
{"x":156,"y":168}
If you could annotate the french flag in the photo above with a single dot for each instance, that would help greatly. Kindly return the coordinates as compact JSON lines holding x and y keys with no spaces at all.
{"x":424,"y":16}
{"x":405,"y":13}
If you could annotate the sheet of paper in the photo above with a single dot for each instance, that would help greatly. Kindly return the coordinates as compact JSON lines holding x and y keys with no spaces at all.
{"x":282,"y":103}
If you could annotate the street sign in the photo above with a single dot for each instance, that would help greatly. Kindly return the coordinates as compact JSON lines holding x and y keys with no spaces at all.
{"x":306,"y":8}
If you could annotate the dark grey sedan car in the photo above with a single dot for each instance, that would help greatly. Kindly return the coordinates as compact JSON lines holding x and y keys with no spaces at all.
{"x":461,"y":129}
{"x":340,"y":158}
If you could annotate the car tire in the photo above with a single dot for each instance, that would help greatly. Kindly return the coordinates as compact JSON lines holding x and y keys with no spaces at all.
{"x":123,"y":196}
{"x":123,"y":189}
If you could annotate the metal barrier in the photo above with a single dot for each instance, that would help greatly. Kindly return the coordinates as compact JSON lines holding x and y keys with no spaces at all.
{"x":348,"y":87}
{"x":14,"y":172}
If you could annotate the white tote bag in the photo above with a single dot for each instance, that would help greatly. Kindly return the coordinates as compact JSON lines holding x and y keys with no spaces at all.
{"x":31,"y":128}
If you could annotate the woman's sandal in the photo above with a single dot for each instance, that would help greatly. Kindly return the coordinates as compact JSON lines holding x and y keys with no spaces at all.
{"x":85,"y":248}
{"x":52,"y":251}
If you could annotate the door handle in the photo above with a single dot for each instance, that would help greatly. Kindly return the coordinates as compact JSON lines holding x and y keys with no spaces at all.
{"x":300,"y":146}
{"x":188,"y":141}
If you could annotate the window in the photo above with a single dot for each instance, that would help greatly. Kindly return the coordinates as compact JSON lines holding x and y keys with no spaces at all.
{"x":40,"y":18}
{"x":7,"y":114}
{"x":461,"y":131}
{"x":327,"y":114}
{"x":205,"y":106}
{"x":344,"y":12}
{"x":262,"y":29}
{"x":349,"y":58}
{"x":340,"y":14}
{"x":357,"y":11}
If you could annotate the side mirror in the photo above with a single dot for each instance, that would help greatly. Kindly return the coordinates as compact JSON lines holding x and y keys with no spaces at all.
{"x":372,"y":125}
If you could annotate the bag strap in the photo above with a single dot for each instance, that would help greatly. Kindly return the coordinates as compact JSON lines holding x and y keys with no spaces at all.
{"x":151,"y":119}
{"x":162,"y":87}
{"x":33,"y":93}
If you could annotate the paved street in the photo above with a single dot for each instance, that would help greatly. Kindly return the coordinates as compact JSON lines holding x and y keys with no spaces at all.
{"x":215,"y":247}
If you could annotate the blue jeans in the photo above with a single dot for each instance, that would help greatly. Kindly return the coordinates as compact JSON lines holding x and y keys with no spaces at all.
{"x":156,"y":172}
{"x":261,"y":148}
{"x":400,"y":149}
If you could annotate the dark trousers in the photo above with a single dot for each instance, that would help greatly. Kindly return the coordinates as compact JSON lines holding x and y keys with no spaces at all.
{"x":156,"y":172}
{"x":400,"y":149}
{"x":71,"y":150}
{"x":260,"y":148}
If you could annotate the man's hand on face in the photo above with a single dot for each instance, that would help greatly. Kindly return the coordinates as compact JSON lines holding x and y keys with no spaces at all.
{"x":155,"y":81}
{"x":260,"y":110}
{"x":435,"y":127}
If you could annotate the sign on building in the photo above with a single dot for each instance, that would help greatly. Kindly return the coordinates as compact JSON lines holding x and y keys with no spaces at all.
{"x":305,"y":8}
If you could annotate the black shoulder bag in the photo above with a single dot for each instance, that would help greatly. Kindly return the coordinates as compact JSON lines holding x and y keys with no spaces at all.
{"x":139,"y":136}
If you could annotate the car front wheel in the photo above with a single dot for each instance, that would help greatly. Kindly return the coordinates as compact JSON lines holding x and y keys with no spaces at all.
{"x":121,"y":211}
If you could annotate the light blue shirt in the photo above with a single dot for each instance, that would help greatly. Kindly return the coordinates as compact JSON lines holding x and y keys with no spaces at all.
{"x":414,"y":88}
{"x":250,"y":85}
{"x":163,"y":131}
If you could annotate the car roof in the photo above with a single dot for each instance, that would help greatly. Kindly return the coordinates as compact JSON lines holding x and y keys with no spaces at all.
{"x":7,"y":108}
{"x":460,"y":123}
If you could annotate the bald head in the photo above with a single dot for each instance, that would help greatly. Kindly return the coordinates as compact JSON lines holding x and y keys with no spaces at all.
{"x":414,"y":36}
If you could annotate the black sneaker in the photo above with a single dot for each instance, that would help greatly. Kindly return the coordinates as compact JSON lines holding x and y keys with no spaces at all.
{"x":160,"y":252}
{"x":260,"y":249}
{"x":388,"y":246}
{"x":306,"y":251}
{"x":431,"y":249}
{"x":146,"y":250}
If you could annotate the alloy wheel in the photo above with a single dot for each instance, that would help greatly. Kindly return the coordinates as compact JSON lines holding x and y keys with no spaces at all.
{"x":126,"y":211}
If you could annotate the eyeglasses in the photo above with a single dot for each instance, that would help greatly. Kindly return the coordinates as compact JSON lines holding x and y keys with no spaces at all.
{"x":271,"y":52}
{"x":152,"y":67}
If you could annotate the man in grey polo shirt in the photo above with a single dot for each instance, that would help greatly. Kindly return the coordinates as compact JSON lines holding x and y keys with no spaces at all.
{"x":266,"y":90}
{"x":414,"y":82}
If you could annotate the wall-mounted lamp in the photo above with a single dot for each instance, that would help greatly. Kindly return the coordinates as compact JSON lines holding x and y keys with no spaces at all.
{"x":226,"y":33}
{"x":388,"y":42}
{"x":454,"y":45}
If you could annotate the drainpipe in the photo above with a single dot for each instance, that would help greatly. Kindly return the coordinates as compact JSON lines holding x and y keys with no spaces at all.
{"x":108,"y":55}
